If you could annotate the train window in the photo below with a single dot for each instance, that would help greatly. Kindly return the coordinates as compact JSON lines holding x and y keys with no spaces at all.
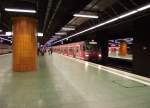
{"x":91,"y":47}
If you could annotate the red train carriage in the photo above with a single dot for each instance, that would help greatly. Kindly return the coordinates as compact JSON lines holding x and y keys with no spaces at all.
{"x":82,"y":50}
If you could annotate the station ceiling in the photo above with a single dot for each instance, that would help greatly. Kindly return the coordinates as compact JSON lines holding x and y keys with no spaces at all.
{"x":52,"y":15}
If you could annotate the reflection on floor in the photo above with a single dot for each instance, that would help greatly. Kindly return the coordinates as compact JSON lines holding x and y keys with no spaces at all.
{"x":127,"y":57}
{"x":64,"y":83}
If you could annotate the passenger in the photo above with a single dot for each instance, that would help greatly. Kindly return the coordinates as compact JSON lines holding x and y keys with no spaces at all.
{"x":42,"y":51}
{"x":49,"y":51}
{"x":38,"y":51}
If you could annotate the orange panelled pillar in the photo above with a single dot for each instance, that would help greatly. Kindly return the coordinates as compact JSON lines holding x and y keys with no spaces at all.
{"x":24,"y":44}
{"x":123,"y":49}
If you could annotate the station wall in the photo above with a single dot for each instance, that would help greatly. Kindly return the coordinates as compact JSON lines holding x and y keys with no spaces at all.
{"x":140,"y":31}
{"x":142,"y":47}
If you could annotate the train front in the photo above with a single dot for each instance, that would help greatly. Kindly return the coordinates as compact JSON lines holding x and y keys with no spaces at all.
{"x":92,"y":51}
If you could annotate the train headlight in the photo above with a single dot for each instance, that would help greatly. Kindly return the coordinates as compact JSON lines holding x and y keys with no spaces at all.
{"x":99,"y":55}
{"x":86,"y":55}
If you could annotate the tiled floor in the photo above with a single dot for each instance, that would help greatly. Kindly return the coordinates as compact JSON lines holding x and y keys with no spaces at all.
{"x":63,"y":83}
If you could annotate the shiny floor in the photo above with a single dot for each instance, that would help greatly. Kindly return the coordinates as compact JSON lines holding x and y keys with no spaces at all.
{"x":64,"y":83}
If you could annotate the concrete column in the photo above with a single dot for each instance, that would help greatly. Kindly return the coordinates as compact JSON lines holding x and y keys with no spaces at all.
{"x":24,"y":44}
{"x":123,"y":49}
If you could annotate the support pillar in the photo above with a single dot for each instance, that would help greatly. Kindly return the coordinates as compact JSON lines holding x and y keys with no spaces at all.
{"x":123,"y":49}
{"x":24,"y":44}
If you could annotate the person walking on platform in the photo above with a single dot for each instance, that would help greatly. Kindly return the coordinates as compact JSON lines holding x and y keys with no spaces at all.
{"x":42,"y":51}
{"x":49,"y":51}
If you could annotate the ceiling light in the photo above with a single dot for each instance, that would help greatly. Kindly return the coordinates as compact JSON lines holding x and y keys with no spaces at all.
{"x":109,"y":21}
{"x":8,"y":33}
{"x":128,"y":14}
{"x":56,"y":36}
{"x":40,"y":34}
{"x":1,"y":30}
{"x":68,"y":28}
{"x":144,"y":7}
{"x":61,"y":33}
{"x":6,"y":39}
{"x":11,"y":33}
{"x":85,"y":16}
{"x":3,"y":35}
{"x":20,"y":10}
{"x":52,"y":39}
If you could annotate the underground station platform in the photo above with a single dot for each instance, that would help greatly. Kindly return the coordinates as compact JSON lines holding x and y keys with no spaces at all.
{"x":70,"y":83}
{"x":74,"y":54}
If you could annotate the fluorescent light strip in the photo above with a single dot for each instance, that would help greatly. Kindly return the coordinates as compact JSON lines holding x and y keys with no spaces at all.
{"x":109,"y":21}
{"x":128,"y":14}
{"x":6,"y":39}
{"x":85,"y":16}
{"x":61,"y":33}
{"x":3,"y":35}
{"x":20,"y":10}
{"x":56,"y":36}
{"x":68,"y":28}
{"x":144,"y":7}
{"x":8,"y":33}
{"x":40,"y":34}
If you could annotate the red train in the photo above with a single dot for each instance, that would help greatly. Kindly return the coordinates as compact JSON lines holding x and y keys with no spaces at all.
{"x":83,"y":50}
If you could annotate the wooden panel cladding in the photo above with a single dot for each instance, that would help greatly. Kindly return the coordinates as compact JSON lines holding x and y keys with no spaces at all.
{"x":24,"y":44}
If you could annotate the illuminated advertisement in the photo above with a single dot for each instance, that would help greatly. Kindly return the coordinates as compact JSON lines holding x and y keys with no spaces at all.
{"x":120,"y":48}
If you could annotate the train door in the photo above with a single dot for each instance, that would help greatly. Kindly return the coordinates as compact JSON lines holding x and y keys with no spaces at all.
{"x":65,"y":50}
{"x":82,"y":51}
{"x":70,"y":51}
{"x":74,"y":50}
{"x":78,"y":51}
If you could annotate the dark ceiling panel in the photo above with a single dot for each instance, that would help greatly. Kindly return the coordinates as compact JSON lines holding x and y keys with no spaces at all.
{"x":64,"y":15}
{"x":61,"y":12}
{"x":6,"y":17}
{"x":41,"y":8}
